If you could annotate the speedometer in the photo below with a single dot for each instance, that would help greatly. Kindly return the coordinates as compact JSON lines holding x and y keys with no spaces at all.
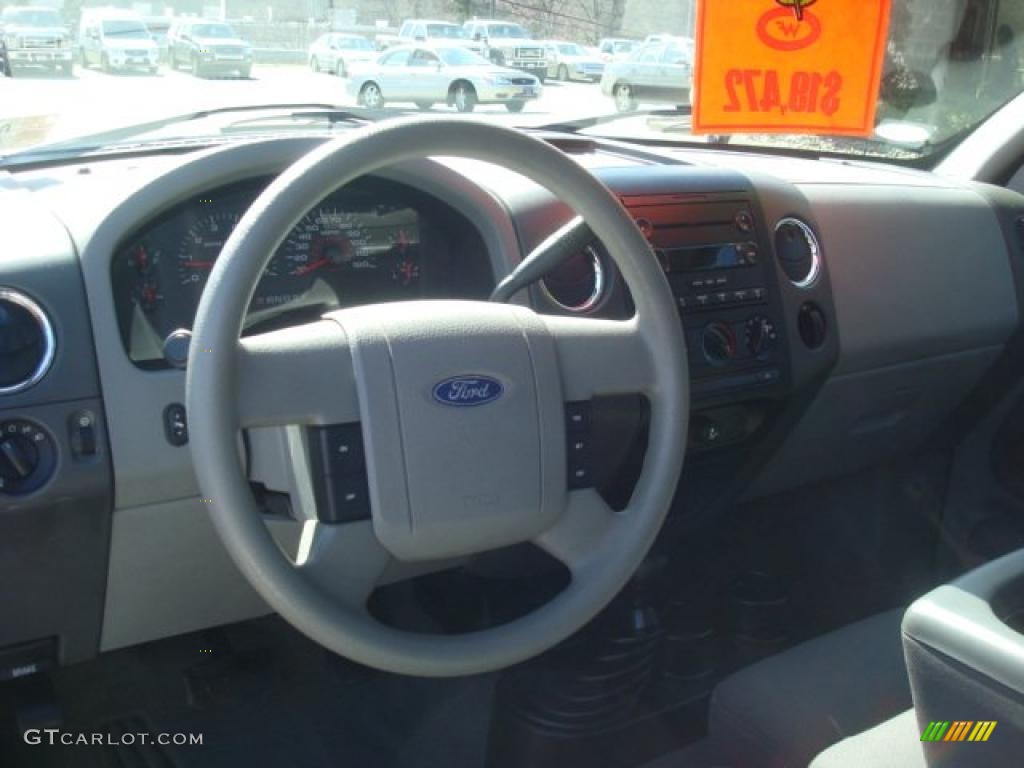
{"x":326,"y":239}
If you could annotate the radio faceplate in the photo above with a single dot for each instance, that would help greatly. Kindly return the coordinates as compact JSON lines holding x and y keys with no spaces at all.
{"x":718,"y":265}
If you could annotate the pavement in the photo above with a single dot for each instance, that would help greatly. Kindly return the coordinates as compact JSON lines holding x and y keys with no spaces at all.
{"x":92,"y":101}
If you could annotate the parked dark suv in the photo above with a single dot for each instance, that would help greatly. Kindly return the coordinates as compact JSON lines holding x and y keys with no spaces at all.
{"x":208,"y":48}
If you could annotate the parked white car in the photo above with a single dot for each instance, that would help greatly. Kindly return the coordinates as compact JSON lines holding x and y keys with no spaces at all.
{"x":448,"y":74}
{"x":571,"y":61}
{"x":336,"y":52}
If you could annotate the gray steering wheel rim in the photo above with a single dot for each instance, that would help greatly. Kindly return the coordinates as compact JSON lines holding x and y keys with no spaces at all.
{"x":212,"y":379}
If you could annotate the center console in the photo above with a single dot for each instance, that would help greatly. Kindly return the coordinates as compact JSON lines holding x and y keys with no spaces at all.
{"x":964,"y":643}
{"x":718,"y":264}
{"x":749,"y":277}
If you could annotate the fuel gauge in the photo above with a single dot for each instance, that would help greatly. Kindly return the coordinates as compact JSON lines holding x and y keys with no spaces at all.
{"x":405,"y":272}
{"x":141,"y":259}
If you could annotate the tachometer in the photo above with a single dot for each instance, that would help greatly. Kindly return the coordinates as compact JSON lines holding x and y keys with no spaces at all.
{"x":203,"y":243}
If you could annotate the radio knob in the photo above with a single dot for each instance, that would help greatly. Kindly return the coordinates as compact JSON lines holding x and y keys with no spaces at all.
{"x":760,"y":336}
{"x":718,"y":342}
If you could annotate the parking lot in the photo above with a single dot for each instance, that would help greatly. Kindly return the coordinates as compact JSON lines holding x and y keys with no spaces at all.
{"x":93,"y":101}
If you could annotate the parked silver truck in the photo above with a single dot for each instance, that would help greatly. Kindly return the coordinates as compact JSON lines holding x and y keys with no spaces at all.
{"x":35,"y":38}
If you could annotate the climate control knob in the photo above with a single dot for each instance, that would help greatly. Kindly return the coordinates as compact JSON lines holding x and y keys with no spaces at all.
{"x":718,"y":342}
{"x":760,"y":336}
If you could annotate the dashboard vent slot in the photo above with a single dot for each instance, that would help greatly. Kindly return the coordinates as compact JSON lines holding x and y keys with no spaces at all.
{"x":798,"y":251}
{"x":27,"y":343}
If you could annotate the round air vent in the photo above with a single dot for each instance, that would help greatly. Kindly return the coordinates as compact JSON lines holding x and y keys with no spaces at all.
{"x":26,"y":342}
{"x":798,"y":251}
{"x":578,"y":283}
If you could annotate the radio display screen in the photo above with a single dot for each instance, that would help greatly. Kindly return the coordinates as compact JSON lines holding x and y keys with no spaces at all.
{"x":702,"y":258}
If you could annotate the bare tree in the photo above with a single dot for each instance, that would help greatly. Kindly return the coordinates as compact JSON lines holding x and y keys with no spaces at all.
{"x":605,"y":16}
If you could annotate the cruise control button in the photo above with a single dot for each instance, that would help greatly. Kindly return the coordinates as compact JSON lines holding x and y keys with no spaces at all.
{"x":347,"y":499}
{"x":340,"y":448}
{"x":579,"y":445}
{"x":579,"y":477}
{"x":577,"y":417}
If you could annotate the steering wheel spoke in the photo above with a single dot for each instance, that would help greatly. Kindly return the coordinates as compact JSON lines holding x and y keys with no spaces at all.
{"x":577,"y":537}
{"x":600,"y":357}
{"x":345,"y":562}
{"x":298,"y":375}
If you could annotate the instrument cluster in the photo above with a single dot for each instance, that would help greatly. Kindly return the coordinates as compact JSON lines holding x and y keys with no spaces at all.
{"x":372,"y":241}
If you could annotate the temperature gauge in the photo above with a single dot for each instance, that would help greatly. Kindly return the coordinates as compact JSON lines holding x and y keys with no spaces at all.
{"x":148,"y":296}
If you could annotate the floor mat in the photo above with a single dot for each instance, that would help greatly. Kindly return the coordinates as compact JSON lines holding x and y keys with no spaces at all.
{"x":258,"y":693}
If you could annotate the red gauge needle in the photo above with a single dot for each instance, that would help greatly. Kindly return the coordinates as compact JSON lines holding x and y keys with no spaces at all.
{"x":313,"y":265}
{"x":197,"y":264}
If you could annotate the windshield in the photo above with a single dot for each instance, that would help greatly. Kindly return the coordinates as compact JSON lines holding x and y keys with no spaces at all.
{"x":507,"y":30}
{"x":127,"y":29}
{"x":445,"y":30}
{"x":947,"y":65}
{"x":213,"y":31}
{"x":31,"y":17}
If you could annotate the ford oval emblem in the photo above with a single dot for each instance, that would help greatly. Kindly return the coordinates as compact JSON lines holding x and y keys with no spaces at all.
{"x":468,"y":390}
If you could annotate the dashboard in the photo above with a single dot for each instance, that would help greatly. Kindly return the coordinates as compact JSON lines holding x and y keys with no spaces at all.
{"x":374,"y":241}
{"x":834,"y":314}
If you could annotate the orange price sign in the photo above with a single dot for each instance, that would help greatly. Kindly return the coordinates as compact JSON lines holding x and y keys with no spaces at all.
{"x":789,"y":66}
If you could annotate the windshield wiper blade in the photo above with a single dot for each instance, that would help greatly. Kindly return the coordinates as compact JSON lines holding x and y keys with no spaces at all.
{"x":110,"y":139}
{"x":583,"y":123}
{"x":330,"y":115}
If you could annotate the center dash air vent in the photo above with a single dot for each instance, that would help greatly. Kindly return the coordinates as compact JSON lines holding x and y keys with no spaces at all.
{"x":798,"y":251}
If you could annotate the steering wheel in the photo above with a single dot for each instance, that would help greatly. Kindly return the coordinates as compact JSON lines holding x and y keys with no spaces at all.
{"x":444,"y":481}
